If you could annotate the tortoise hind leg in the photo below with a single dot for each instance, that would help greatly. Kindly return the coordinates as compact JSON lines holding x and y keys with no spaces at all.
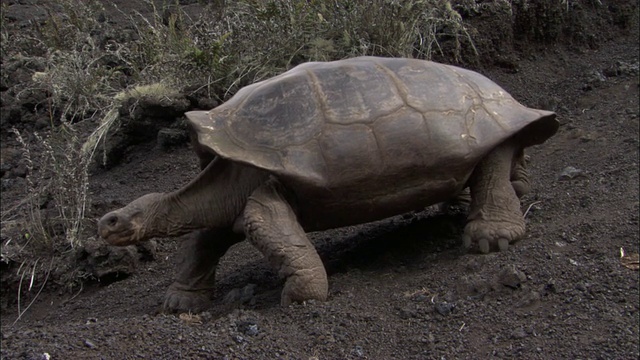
{"x":520,"y":175}
{"x":457,"y":204}
{"x":519,"y":181}
{"x":193,"y":287}
{"x":271,"y":225}
{"x":495,"y":219}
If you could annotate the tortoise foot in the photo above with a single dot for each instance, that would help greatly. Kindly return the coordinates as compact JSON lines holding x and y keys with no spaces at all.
{"x":305,"y":285}
{"x":486,"y":236}
{"x":180,"y":300}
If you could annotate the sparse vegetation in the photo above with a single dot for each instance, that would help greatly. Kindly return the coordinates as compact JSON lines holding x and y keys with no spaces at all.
{"x":82,"y":72}
{"x":87,"y":71}
{"x":250,"y":40}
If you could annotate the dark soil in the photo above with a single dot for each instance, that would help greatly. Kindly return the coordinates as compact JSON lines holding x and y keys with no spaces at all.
{"x":403,"y":288}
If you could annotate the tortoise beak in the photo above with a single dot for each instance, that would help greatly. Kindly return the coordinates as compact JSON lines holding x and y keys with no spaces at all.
{"x":128,"y":225}
{"x":117,"y":229}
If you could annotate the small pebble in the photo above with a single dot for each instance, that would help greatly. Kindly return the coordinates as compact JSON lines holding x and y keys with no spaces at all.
{"x":444,"y":308}
{"x":248,"y":327}
{"x":357,"y":351}
{"x":511,"y":277}
{"x":573,"y":262}
{"x":237,"y":338}
{"x":252,"y":330}
{"x":519,"y":334}
{"x":570,"y":173}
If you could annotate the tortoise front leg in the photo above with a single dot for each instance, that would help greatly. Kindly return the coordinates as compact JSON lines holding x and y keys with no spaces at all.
{"x":271,"y":225}
{"x":495,"y":219}
{"x":193,"y":287}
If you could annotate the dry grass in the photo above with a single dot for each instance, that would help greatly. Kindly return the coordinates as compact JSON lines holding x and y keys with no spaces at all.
{"x":268,"y":37}
{"x":58,"y":180}
{"x":88,"y":73}
{"x":53,"y":211}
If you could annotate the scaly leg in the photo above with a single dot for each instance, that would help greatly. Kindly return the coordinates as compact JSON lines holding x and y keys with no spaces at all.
{"x":519,"y":181}
{"x":193,"y":288}
{"x":495,"y":219}
{"x":271,"y":225}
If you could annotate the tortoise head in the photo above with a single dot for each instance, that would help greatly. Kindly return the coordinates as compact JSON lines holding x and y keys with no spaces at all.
{"x":130,"y":224}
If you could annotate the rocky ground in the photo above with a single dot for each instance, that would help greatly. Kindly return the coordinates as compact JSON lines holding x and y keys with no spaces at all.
{"x":403,"y":288}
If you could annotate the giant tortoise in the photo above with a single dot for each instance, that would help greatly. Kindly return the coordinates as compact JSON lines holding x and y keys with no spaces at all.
{"x":331,"y":144}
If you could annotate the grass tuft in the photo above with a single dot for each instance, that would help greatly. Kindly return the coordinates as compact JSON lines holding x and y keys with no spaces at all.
{"x":88,"y":69}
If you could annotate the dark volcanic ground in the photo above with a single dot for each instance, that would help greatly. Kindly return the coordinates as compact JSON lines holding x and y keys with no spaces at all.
{"x":403,"y":288}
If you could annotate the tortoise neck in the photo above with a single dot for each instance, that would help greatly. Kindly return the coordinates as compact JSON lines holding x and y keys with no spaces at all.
{"x":213,"y":200}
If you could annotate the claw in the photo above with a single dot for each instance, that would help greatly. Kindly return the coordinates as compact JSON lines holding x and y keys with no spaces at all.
{"x":485,"y":236}
{"x":503,"y":244}
{"x":285,"y":300}
{"x":185,"y":301}
{"x":466,"y":241}
{"x":504,"y":234}
{"x":483,"y":245}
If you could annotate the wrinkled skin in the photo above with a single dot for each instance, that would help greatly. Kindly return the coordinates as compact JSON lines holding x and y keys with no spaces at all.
{"x":126,"y":227}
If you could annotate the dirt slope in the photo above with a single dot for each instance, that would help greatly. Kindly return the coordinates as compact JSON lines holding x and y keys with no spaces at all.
{"x":402,"y":288}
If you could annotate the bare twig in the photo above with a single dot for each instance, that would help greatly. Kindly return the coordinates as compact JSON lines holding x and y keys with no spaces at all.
{"x":529,"y":208}
{"x":22,"y":312}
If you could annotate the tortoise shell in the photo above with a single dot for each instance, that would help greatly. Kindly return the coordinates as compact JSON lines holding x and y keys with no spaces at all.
{"x":338,"y":124}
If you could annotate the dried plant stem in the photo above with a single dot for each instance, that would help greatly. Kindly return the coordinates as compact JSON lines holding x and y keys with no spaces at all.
{"x":529,"y":208}
{"x":48,"y":272}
